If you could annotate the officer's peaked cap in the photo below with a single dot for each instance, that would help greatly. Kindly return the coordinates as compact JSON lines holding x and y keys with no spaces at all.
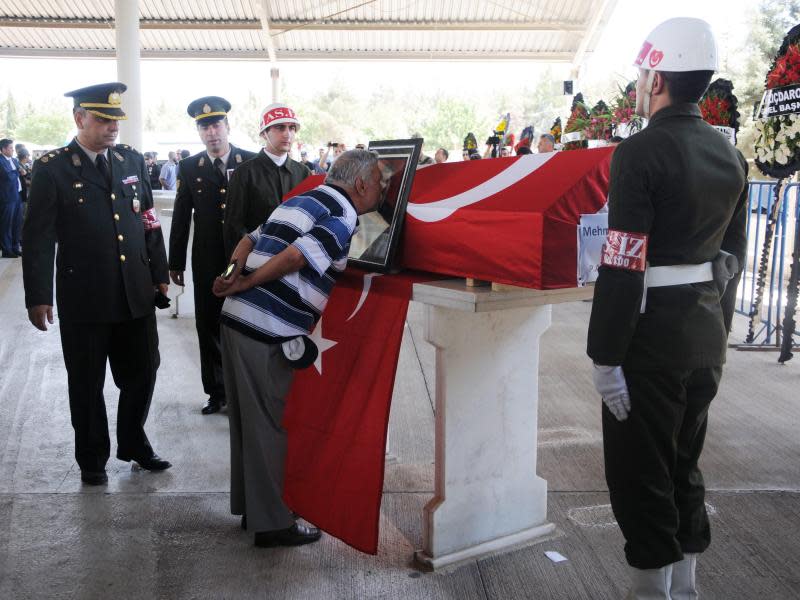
{"x":103,"y":100}
{"x":208,"y":109}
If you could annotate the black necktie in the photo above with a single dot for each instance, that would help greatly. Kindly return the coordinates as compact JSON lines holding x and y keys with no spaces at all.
{"x":220,"y":168}
{"x":102,"y":165}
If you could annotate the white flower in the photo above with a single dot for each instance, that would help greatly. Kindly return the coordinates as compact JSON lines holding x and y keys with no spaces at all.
{"x":781,"y":155}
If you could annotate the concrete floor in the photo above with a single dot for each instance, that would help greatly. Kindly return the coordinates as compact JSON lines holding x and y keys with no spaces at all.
{"x":170,"y":535}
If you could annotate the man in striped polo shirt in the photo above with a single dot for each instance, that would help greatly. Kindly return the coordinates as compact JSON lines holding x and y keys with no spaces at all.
{"x":284,"y":273}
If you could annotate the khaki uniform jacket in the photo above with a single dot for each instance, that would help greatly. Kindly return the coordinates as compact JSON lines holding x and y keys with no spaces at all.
{"x":684,"y":185}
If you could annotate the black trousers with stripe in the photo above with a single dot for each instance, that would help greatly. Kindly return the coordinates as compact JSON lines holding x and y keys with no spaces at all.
{"x":656,"y":487}
{"x":207,"y":308}
{"x":131,"y":349}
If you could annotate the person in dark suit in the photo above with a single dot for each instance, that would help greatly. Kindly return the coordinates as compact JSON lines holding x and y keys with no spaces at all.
{"x":92,"y":199}
{"x":10,"y":201}
{"x":153,"y":170}
{"x":202,"y":191}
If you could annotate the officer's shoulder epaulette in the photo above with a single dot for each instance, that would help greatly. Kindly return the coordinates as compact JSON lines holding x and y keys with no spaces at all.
{"x":127,"y":147}
{"x":48,"y":156}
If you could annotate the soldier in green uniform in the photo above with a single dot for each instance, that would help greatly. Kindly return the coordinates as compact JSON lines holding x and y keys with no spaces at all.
{"x":661,"y":312}
{"x":92,"y":199}
{"x":258,"y":187}
{"x":202,"y":192}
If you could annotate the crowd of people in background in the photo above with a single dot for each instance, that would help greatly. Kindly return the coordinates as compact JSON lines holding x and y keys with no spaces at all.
{"x":164,"y":174}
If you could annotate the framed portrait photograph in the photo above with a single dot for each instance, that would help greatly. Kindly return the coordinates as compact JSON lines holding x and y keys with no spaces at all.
{"x":374,"y":247}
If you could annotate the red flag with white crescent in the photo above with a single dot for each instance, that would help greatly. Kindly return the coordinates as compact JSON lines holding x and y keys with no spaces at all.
{"x":509,"y":220}
{"x":337,"y":412}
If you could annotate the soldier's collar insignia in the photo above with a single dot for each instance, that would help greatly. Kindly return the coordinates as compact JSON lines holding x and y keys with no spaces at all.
{"x":238,"y":158}
{"x":115,"y":98}
{"x":119,"y":156}
{"x":76,"y":159}
{"x":206,"y":109}
{"x":202,"y":161}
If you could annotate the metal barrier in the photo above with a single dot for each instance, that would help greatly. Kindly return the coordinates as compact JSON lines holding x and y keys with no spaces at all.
{"x":759,"y":204}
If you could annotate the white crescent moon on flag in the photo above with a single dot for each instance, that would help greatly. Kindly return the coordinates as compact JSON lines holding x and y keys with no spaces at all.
{"x":364,"y":293}
{"x":430,"y":212}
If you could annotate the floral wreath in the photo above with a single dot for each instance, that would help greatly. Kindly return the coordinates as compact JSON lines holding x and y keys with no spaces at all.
{"x":777,"y":142}
{"x":719,"y":105}
{"x":555,"y":130}
{"x":576,"y":122}
{"x":623,"y":111}
{"x":598,"y":126}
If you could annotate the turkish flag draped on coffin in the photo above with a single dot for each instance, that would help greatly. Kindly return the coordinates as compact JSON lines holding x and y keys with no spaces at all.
{"x":508,"y":220}
{"x":337,"y":412}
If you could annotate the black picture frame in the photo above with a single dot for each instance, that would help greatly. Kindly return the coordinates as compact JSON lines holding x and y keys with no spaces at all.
{"x":374,"y":247}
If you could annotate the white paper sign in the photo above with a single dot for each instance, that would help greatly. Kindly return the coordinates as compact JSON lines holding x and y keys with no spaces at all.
{"x":592,"y":232}
{"x":572,"y":136}
{"x":728,"y":132}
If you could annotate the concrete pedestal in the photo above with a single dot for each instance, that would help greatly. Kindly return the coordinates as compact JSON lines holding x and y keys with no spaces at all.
{"x":487,"y":494}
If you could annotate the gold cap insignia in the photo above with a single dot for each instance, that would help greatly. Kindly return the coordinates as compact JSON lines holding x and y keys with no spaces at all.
{"x":115,"y":98}
{"x":206,"y":108}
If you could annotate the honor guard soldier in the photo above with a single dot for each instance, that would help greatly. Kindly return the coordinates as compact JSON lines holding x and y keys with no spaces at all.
{"x":258,"y":187}
{"x":662,"y":311}
{"x":92,"y":200}
{"x":203,"y":192}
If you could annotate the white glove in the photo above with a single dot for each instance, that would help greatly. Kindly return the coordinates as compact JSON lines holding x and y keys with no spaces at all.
{"x":610,"y":384}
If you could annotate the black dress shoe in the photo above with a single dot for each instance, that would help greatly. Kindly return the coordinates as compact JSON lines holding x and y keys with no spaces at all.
{"x":295,"y":516}
{"x":296,"y":535}
{"x":151,"y":463}
{"x":10,"y":255}
{"x":94,"y":477}
{"x":212,"y":406}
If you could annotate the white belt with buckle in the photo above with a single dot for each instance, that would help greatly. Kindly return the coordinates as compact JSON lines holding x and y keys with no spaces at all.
{"x":675,"y":275}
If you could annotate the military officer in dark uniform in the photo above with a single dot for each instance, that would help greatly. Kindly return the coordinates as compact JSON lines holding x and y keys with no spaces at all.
{"x":259,"y":186}
{"x":92,"y":199}
{"x":202,"y":191}
{"x":661,"y":312}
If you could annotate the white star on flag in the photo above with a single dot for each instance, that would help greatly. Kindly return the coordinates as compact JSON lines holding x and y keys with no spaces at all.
{"x":322,"y":345}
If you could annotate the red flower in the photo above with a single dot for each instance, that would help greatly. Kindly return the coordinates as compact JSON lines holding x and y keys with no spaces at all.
{"x":786,"y":70}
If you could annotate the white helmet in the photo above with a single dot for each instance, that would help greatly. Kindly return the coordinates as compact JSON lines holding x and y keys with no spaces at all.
{"x":680,"y":44}
{"x":275,"y":114}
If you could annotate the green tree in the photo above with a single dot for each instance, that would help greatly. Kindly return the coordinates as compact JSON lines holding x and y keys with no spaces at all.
{"x":10,"y":120}
{"x":449,"y":123}
{"x":245,"y":115}
{"x":45,"y":127}
{"x":165,"y":116}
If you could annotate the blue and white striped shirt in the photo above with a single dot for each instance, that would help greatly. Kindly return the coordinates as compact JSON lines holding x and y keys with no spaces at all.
{"x":320,"y":224}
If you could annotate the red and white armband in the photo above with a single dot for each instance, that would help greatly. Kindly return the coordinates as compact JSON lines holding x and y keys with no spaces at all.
{"x":150,"y":219}
{"x":625,"y":250}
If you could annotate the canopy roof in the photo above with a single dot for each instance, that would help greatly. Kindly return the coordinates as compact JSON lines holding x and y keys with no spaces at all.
{"x":540,"y":30}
